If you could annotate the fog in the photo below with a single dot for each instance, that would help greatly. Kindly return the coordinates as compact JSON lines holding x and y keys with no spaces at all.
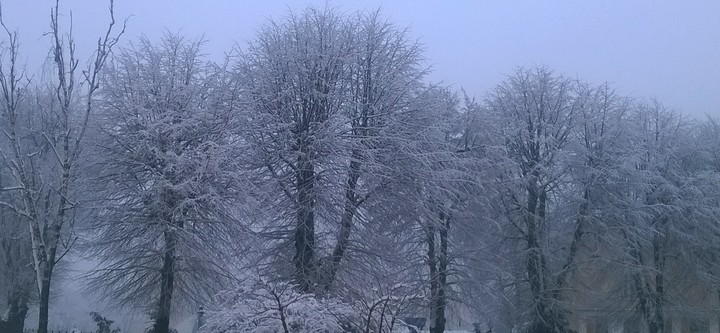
{"x":646,"y":49}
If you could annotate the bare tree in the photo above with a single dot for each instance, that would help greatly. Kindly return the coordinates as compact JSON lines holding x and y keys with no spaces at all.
{"x":46,"y":198}
{"x":18,"y":278}
{"x":666,"y":219}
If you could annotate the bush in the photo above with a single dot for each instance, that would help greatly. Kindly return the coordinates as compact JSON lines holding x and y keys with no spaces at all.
{"x":263,"y":307}
{"x":103,"y":323}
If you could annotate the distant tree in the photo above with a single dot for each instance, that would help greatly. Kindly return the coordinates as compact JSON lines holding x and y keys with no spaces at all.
{"x":165,"y":179}
{"x":670,"y":215}
{"x":593,"y":193}
{"x":535,"y":110}
{"x":439,"y":165}
{"x":706,"y":207}
{"x":17,"y":279}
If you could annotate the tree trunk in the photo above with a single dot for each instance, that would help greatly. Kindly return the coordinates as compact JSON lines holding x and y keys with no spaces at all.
{"x":441,"y":298}
{"x":346,"y":221}
{"x":44,"y":265}
{"x":432,"y":266}
{"x":643,"y":290}
{"x":304,"y":239}
{"x":548,"y":317}
{"x":533,"y":259}
{"x":167,"y":279}
{"x":657,"y":324}
{"x":569,"y":265}
{"x":438,"y":264}
{"x":44,"y":305}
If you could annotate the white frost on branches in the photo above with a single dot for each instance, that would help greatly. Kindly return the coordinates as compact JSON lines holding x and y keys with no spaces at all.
{"x":260,"y":306}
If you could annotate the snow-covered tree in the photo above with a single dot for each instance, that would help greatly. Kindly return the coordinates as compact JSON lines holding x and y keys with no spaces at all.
{"x":165,"y":179}
{"x":384,"y":76}
{"x":535,"y":111}
{"x":669,"y":216}
{"x":624,"y":199}
{"x":324,"y":96}
{"x":293,"y":79}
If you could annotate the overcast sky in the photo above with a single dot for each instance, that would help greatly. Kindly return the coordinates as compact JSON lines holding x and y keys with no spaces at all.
{"x":664,"y":49}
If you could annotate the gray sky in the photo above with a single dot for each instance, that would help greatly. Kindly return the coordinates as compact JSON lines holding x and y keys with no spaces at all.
{"x":664,"y":49}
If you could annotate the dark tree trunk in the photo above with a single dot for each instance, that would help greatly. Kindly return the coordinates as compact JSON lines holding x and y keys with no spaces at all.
{"x":432,"y":266}
{"x":649,"y":281}
{"x":304,"y":239}
{"x":346,"y":221}
{"x":569,"y":265}
{"x":44,"y":305}
{"x":46,"y":266}
{"x":657,"y":324}
{"x":643,"y":290}
{"x":167,"y":280}
{"x":549,"y":318}
{"x":534,"y":259}
{"x":438,"y":260}
{"x":443,"y":260}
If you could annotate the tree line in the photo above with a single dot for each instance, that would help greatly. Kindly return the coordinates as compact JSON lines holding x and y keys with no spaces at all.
{"x":314,"y":180}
